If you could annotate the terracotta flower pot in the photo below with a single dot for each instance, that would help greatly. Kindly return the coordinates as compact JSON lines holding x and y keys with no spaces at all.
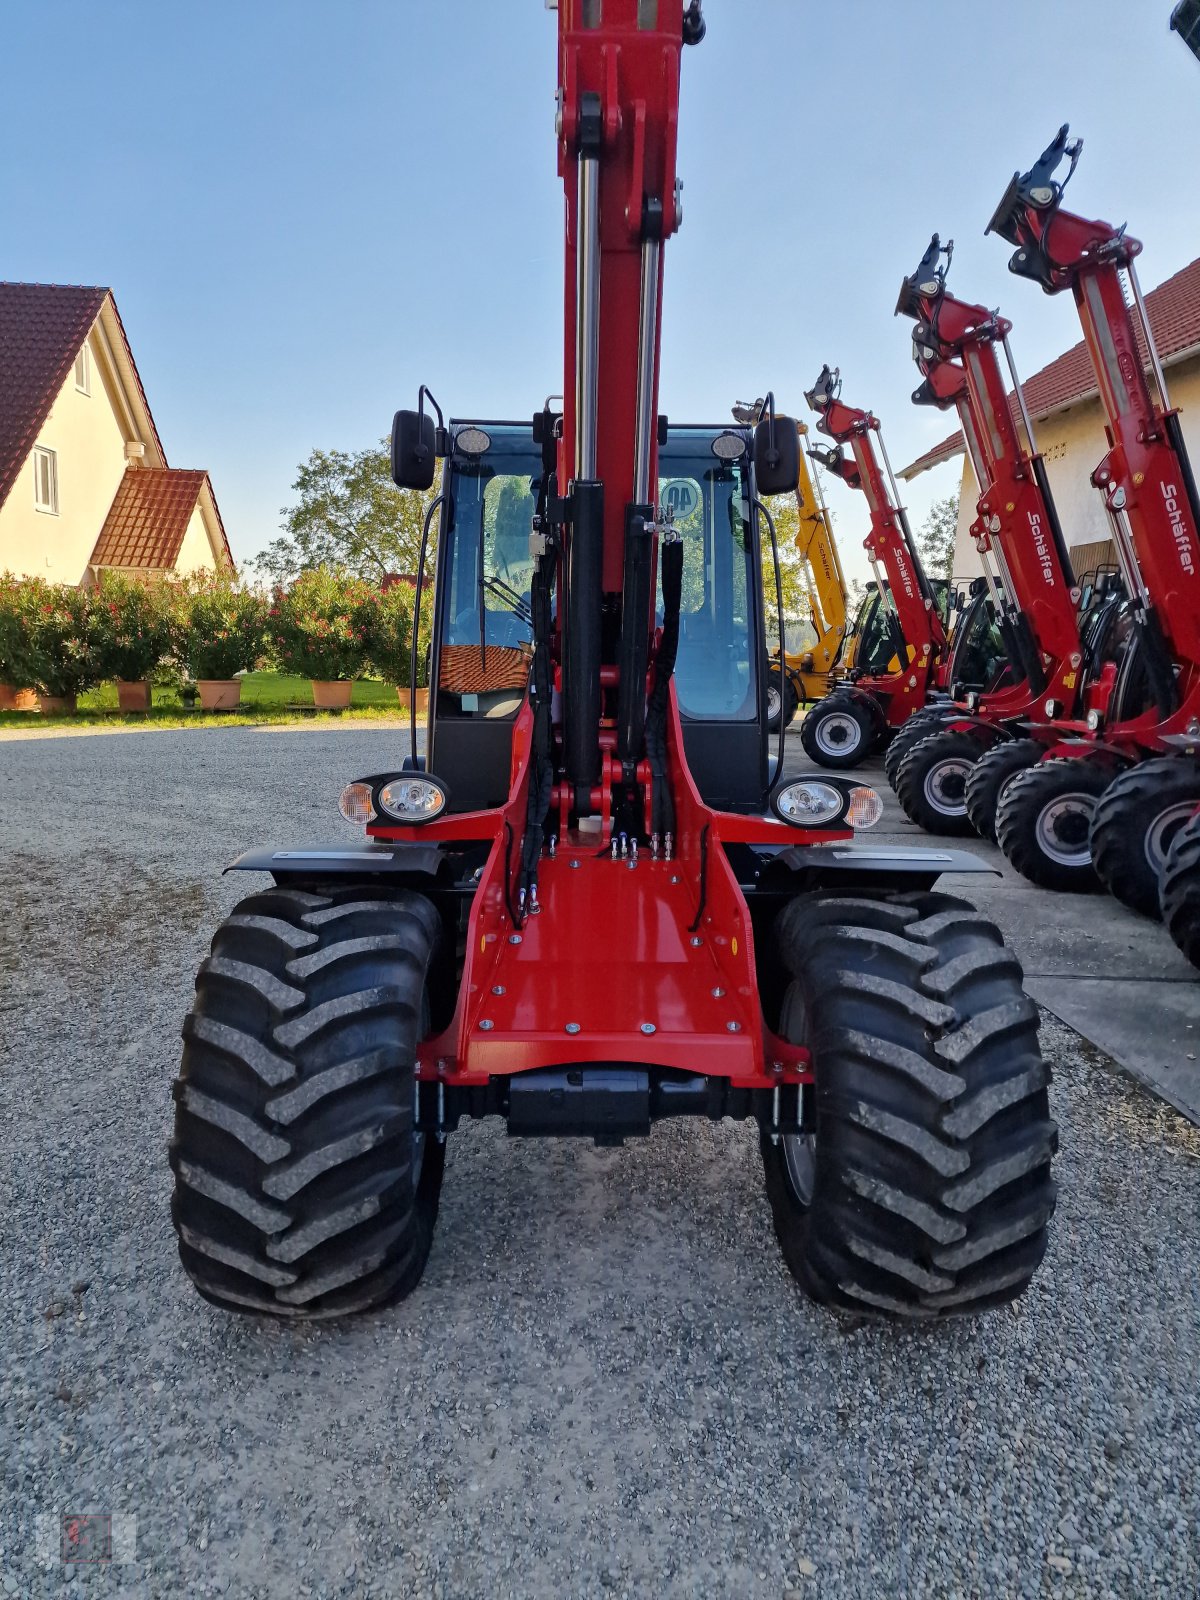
{"x":331,"y":694}
{"x":220,"y":694}
{"x":12,"y":699}
{"x":422,"y":700}
{"x":133,"y":696}
{"x":51,"y":705}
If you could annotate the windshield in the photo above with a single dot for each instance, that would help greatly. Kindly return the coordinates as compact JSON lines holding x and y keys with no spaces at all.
{"x":486,"y":632}
{"x":715,"y":674}
{"x":878,"y":634}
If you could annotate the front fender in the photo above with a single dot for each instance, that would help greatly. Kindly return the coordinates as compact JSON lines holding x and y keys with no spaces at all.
{"x":849,"y":866}
{"x":394,"y":860}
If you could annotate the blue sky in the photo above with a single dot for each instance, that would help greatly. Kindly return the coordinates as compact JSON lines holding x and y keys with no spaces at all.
{"x":306,"y":209}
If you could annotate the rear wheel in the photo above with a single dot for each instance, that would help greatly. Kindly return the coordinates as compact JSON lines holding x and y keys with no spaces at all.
{"x":302,"y":1187}
{"x":919,"y":726}
{"x":1180,"y":891}
{"x":1136,"y":821}
{"x":924,"y":1190}
{"x":781,"y":699}
{"x":932,"y":782}
{"x":988,"y":777}
{"x":1043,"y":821}
{"x":838,"y":732}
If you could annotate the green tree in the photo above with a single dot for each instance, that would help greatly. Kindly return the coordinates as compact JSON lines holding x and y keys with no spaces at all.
{"x":797,"y":607}
{"x":350,"y":516}
{"x":936,"y":537}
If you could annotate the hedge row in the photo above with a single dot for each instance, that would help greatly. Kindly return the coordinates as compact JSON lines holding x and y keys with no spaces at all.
{"x":327,"y":625}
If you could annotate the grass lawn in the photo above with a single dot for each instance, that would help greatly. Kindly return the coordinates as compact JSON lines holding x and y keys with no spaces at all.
{"x":266,"y":697}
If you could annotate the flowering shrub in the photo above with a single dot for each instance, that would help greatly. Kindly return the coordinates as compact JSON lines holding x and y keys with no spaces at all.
{"x":324,"y":626}
{"x":131,"y":627}
{"x":16,"y":658}
{"x":218,"y":628}
{"x":60,"y":635}
{"x":390,"y":646}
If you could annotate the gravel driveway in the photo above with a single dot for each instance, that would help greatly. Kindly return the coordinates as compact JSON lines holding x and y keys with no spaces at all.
{"x":607,"y":1384}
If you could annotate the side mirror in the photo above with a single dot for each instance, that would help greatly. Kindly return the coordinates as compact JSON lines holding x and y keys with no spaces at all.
{"x":776,"y":455}
{"x":414,"y":454}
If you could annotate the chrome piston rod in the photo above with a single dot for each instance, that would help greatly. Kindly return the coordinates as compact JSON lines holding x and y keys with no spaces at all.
{"x":587,"y":316}
{"x":646,"y":423}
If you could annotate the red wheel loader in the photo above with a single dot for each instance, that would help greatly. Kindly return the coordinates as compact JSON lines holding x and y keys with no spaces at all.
{"x":593,"y":902}
{"x":1112,"y":788}
{"x":900,"y":656}
{"x":939,"y":776}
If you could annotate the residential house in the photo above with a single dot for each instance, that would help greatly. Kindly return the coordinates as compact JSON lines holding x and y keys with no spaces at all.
{"x":1069,"y":426}
{"x":84,"y":480}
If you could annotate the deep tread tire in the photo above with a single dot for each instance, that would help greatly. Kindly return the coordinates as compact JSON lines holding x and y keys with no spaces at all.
{"x":295,"y":1163}
{"x":988,"y":777}
{"x":781,"y":694}
{"x":932,"y":781}
{"x":838,"y":732}
{"x":1136,"y":820}
{"x":932,"y":1189}
{"x":1180,"y":891}
{"x":1043,"y":848}
{"x":919,"y":726}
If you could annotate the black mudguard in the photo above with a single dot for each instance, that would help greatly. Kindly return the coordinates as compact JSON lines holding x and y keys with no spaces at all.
{"x":849,"y":866}
{"x":393,"y":860}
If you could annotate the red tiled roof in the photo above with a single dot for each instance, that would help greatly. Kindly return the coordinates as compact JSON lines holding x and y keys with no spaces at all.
{"x":148,"y":518}
{"x":42,"y":326}
{"x":1174,"y":312}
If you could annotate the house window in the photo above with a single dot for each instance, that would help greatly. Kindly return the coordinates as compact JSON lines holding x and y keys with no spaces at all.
{"x":83,"y":370}
{"x":45,"y":479}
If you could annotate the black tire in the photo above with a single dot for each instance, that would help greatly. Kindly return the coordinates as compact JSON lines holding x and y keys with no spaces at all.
{"x":1043,"y":819}
{"x":988,"y":777}
{"x":301,"y":1189}
{"x":919,"y":726}
{"x":781,"y":696}
{"x":925,"y":1191}
{"x":932,"y":782}
{"x":1135,"y":823}
{"x":1180,"y":891}
{"x":838,"y":732}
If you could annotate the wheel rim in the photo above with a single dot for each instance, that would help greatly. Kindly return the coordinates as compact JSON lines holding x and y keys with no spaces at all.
{"x":799,"y":1149}
{"x":800,"y":1163}
{"x":1063,"y":827}
{"x":1161,"y":832}
{"x":838,"y":734}
{"x":945,"y":786}
{"x":774,"y":702}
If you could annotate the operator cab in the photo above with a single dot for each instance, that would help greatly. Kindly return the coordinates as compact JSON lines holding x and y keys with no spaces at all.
{"x":483,"y":634}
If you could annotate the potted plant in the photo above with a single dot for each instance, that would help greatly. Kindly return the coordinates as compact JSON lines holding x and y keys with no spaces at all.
{"x":321,"y":629}
{"x":133,"y":634}
{"x":391,"y":647}
{"x":16,"y":672}
{"x":219,"y":630}
{"x":61,"y":638}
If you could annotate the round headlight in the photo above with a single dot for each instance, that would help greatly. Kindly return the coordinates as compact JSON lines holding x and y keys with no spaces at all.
{"x":1094,"y":720}
{"x":1053,"y":707}
{"x":355,"y":803}
{"x":809,"y":804}
{"x":865,"y":808}
{"x":412,"y":797}
{"x":472,"y":441}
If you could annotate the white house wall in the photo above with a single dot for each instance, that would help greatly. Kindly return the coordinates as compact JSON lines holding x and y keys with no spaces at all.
{"x":89,"y":443}
{"x":1072,"y":443}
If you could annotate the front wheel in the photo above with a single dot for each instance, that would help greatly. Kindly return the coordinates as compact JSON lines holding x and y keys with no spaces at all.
{"x":781,"y":698}
{"x":1044,"y":818}
{"x":924,"y":1189}
{"x":931,"y":784}
{"x":302,"y":1186}
{"x":1137,"y":818}
{"x":919,"y":726}
{"x":838,"y":732}
{"x":988,"y":777}
{"x":1180,"y":890}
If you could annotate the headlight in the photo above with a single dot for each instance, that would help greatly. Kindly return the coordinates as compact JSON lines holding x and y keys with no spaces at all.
{"x":973,"y":700}
{"x":809,"y":804}
{"x":411,"y":797}
{"x":355,"y":803}
{"x":1095,"y":720}
{"x":865,"y":808}
{"x":1053,"y":707}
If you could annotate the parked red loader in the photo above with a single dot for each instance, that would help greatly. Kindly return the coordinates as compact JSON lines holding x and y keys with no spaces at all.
{"x":593,"y":901}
